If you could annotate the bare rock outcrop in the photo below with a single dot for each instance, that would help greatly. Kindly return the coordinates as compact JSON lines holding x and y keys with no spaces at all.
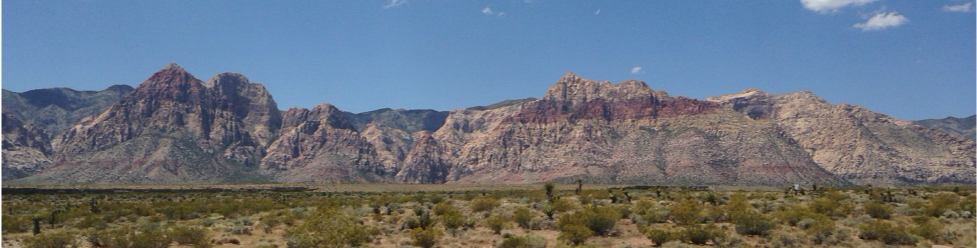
{"x":171,"y":128}
{"x":860,"y":145}
{"x":25,"y":148}
{"x":321,"y":145}
{"x":625,"y":132}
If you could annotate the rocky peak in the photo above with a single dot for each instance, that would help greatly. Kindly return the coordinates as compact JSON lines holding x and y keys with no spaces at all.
{"x":171,"y":82}
{"x":572,"y":89}
{"x":324,"y":113}
{"x":750,"y":93}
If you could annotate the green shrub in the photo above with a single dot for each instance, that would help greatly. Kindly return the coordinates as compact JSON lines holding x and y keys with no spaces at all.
{"x":832,"y":203}
{"x":497,"y":223}
{"x":600,"y":221}
{"x":426,"y":238}
{"x":140,"y":237}
{"x":877,"y":210}
{"x":524,"y":241}
{"x":523,"y":216}
{"x":941,"y":202}
{"x":563,"y":205}
{"x":452,"y":219}
{"x":929,"y":228}
{"x":15,"y":224}
{"x":752,"y":223}
{"x":820,"y":227}
{"x":686,"y":213}
{"x":51,"y":239}
{"x":658,"y":236}
{"x":330,"y":227}
{"x":444,"y":207}
{"x":575,"y":234}
{"x":696,"y":235}
{"x":484,"y":204}
{"x":193,"y":236}
{"x":885,"y":231}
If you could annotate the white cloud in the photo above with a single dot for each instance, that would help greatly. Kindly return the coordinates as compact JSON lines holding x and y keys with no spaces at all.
{"x":882,"y":21}
{"x":394,"y":3}
{"x":487,"y":10}
{"x":598,"y":12}
{"x":827,"y":6}
{"x":958,"y":8}
{"x":636,"y":70}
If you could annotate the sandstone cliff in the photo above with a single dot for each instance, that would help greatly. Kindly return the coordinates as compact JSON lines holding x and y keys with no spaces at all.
{"x":171,"y":128}
{"x":624,"y":133}
{"x":321,"y":144}
{"x":860,"y":145}
{"x":175,"y":128}
{"x":25,"y":148}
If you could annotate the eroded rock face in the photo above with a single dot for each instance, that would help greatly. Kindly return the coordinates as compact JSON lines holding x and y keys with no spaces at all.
{"x":174,"y":128}
{"x":964,"y":127}
{"x":171,"y":128}
{"x":860,"y":145}
{"x":625,"y":132}
{"x":25,"y":148}
{"x":321,"y":144}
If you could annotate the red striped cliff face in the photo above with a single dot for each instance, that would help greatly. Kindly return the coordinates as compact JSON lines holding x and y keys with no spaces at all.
{"x":573,"y":98}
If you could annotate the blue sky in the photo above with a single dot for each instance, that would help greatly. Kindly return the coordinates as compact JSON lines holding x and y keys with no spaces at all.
{"x":906,"y":58}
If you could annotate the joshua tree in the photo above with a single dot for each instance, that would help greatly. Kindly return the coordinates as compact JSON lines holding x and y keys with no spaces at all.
{"x":93,"y":203}
{"x":37,"y":224}
{"x":549,"y":186}
{"x":579,"y":186}
{"x":55,"y":212}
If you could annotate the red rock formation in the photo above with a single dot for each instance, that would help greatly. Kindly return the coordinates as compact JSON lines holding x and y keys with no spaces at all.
{"x":321,"y":145}
{"x":171,"y":128}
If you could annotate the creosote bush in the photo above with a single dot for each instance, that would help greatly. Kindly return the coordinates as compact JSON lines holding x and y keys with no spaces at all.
{"x":752,"y":223}
{"x":524,"y":241}
{"x":330,"y":227}
{"x":885,"y":231}
{"x":575,"y":234}
{"x":877,"y":210}
{"x":689,"y":212}
{"x":523,"y":216}
{"x":497,"y":223}
{"x":659,"y":236}
{"x":600,"y":221}
{"x":193,"y":236}
{"x":425,"y":238}
{"x":484,"y":204}
{"x":51,"y":239}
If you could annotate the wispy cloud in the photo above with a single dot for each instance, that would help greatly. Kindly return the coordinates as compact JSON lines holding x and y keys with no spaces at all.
{"x":488,"y":11}
{"x":394,"y":3}
{"x":828,"y":6}
{"x":598,"y":12}
{"x":882,"y":21}
{"x":965,"y":7}
{"x":636,"y":70}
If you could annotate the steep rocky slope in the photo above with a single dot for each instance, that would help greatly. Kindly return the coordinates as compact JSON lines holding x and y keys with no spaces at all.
{"x":175,"y":128}
{"x":171,"y":128}
{"x":321,"y":144}
{"x":25,"y":148}
{"x":603,"y":132}
{"x":860,"y":145}
{"x":56,"y":109}
{"x":965,"y":127}
{"x":31,"y":117}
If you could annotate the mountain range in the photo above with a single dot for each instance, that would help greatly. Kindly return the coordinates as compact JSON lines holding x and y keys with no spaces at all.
{"x":175,"y":128}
